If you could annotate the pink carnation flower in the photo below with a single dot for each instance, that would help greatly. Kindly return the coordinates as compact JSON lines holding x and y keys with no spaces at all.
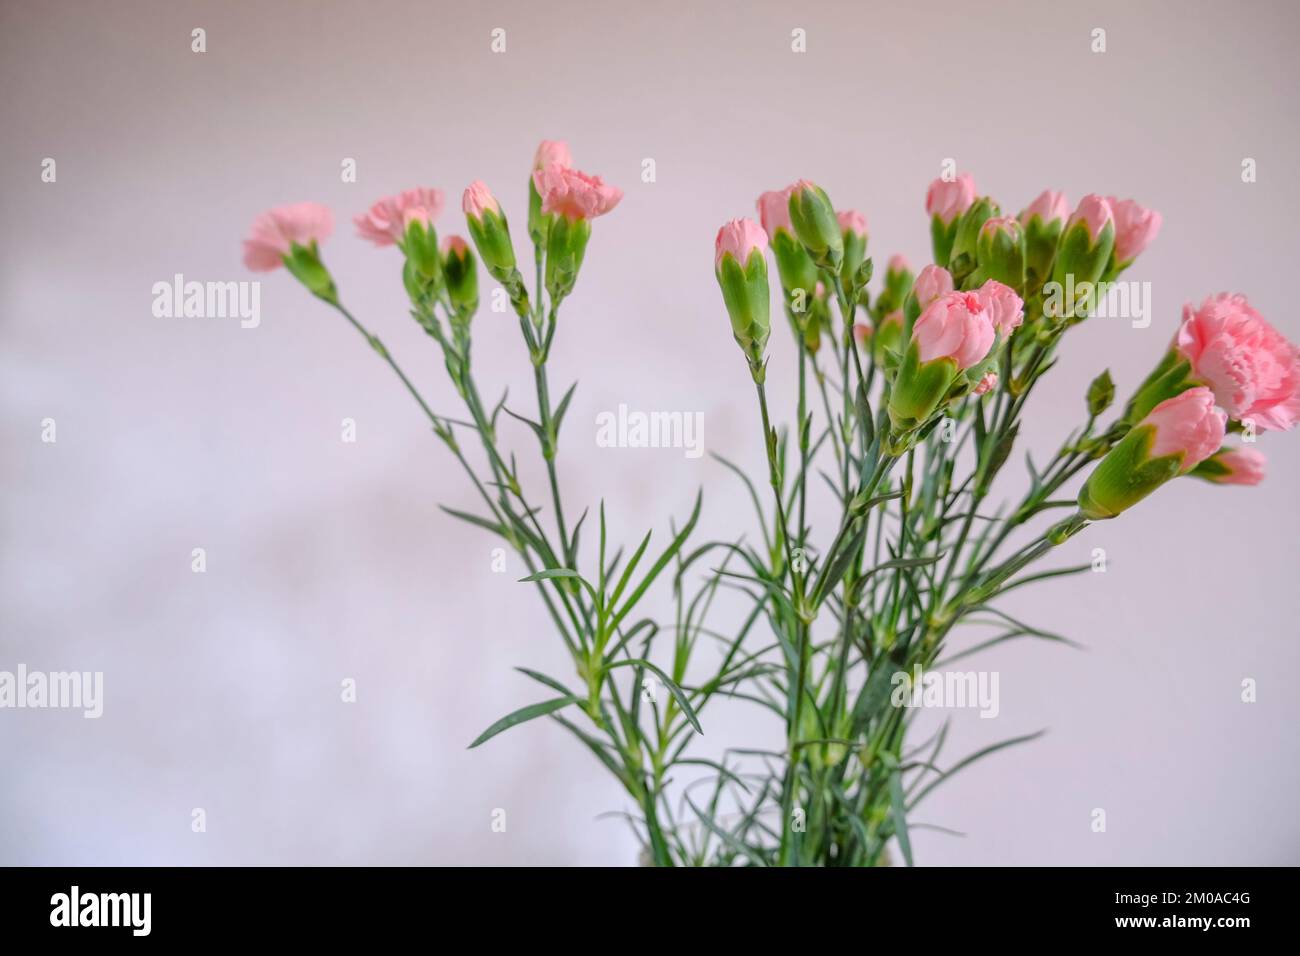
{"x":954,"y":326}
{"x":386,"y":221}
{"x":573,"y":194}
{"x":277,"y":230}
{"x":1252,"y":369}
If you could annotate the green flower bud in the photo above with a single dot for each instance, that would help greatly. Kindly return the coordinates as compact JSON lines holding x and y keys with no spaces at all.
{"x":1000,"y":251}
{"x":420,"y":244}
{"x":1044,"y":221}
{"x":741,"y":270}
{"x":1081,"y":259}
{"x":919,"y":389}
{"x":796,"y":269}
{"x":461,"y":271}
{"x":490,"y":232}
{"x":814,"y":222}
{"x":853,"y":232}
{"x":969,"y":226}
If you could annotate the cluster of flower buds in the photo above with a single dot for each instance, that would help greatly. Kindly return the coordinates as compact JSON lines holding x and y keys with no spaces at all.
{"x":562,"y":203}
{"x":815,"y":247}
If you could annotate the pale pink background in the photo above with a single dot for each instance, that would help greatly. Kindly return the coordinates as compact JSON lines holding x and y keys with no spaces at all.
{"x":328,"y":560}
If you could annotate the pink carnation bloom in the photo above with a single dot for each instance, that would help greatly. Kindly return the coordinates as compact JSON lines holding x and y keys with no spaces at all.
{"x":897,"y":263}
{"x":573,"y":194}
{"x":1252,"y":369}
{"x":277,"y":230}
{"x":954,"y":326}
{"x":387,"y":219}
{"x":454,"y":244}
{"x":948,"y":200}
{"x":739,"y":238}
{"x":987,"y":383}
{"x":1187,"y":424}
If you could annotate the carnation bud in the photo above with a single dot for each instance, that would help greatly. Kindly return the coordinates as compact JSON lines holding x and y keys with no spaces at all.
{"x":1083,"y":254}
{"x":741,"y":270}
{"x":946,"y":200}
{"x":796,"y":270}
{"x":1233,"y":466}
{"x":814,"y":222}
{"x":489,"y":230}
{"x":461,"y":271}
{"x":1043,"y":221}
{"x":853,"y":231}
{"x":1172,"y":440}
{"x":969,"y":226}
{"x":1135,"y":228}
{"x":1000,"y":251}
{"x":566,"y":244}
{"x":420,"y":244}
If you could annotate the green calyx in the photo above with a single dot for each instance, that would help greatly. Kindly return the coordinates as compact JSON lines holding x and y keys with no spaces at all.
{"x":539,"y":223}
{"x":748,"y":299}
{"x":1171,"y":377}
{"x":460,"y":270}
{"x":919,"y":390}
{"x":304,"y":263}
{"x":1001,"y":256}
{"x":1080,"y":263}
{"x":855,"y":252}
{"x":420,"y":245}
{"x":797,"y":271}
{"x":1126,"y":475}
{"x":1041,"y":241}
{"x":491,"y":235}
{"x":943,"y":235}
{"x":566,"y":244}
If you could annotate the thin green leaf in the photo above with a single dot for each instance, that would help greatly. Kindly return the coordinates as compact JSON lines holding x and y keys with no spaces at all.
{"x":524,"y":714}
{"x":673,"y":688}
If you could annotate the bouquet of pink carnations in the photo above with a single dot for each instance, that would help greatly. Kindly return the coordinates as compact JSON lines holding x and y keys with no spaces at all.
{"x":915,"y":391}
